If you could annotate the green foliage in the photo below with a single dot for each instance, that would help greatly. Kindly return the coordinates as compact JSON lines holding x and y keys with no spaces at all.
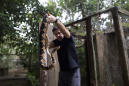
{"x":125,"y":24}
{"x":21,"y":17}
{"x":34,"y":81}
{"x":82,"y":61}
{"x":19,"y":30}
{"x":4,"y":61}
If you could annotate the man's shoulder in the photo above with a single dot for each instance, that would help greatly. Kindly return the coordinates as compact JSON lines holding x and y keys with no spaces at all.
{"x":70,"y":38}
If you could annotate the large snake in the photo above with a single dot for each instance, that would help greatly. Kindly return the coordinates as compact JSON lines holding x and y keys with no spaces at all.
{"x":43,"y":45}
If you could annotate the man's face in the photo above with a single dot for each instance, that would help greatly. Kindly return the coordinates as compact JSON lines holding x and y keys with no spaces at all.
{"x":58,"y":35}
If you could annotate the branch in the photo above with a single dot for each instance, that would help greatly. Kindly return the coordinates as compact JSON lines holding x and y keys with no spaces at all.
{"x":79,"y":46}
{"x":78,"y":36}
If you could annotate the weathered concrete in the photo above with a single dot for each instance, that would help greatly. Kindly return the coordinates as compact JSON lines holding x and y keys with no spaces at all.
{"x":50,"y":77}
{"x":14,"y":81}
{"x":109,"y":69}
{"x":53,"y":73}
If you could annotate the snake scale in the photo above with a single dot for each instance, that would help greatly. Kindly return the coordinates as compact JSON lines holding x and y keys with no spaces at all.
{"x":43,"y":45}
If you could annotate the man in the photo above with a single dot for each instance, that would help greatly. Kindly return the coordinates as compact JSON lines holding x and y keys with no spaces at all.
{"x":69,"y":74}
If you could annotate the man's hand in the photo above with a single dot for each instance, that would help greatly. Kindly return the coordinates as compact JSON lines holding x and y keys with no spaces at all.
{"x":51,"y":19}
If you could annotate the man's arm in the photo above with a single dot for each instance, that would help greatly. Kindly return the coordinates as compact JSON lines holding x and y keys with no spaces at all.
{"x":60,"y":25}
{"x":63,"y":29}
{"x":51,"y":45}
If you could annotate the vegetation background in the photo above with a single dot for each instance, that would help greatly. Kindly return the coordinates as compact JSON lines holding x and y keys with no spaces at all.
{"x":19,"y":21}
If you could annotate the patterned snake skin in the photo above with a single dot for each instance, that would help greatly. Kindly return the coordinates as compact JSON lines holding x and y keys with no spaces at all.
{"x":43,"y":46}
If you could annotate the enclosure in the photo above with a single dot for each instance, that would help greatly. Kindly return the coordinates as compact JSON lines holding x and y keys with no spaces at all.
{"x":106,"y":52}
{"x":106,"y":49}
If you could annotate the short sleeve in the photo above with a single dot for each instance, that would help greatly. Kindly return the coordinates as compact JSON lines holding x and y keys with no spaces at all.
{"x":70,"y":39}
{"x":56,"y":42}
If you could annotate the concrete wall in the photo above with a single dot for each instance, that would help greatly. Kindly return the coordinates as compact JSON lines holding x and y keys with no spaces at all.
{"x":50,"y":77}
{"x":109,"y":71}
{"x":11,"y":81}
{"x":52,"y":74}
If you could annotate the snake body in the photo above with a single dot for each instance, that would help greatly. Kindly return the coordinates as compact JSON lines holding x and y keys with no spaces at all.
{"x":43,"y":46}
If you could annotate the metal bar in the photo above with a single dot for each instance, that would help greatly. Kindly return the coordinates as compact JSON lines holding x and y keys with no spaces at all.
{"x":11,"y":54}
{"x":87,"y":52}
{"x":91,"y":72}
{"x":123,"y":56}
{"x":123,"y":11}
{"x":83,"y":19}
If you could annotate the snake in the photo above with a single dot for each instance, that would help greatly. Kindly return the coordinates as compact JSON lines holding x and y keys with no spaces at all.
{"x":44,"y":46}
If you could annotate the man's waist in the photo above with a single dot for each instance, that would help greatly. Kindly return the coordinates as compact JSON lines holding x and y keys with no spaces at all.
{"x":72,"y":69}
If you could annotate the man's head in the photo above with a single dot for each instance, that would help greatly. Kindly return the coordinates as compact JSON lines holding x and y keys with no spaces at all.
{"x":57,"y":33}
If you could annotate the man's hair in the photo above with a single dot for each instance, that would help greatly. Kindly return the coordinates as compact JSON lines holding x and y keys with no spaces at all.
{"x":54,"y":29}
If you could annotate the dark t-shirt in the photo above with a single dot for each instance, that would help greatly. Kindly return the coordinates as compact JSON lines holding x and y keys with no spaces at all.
{"x":67,"y":55}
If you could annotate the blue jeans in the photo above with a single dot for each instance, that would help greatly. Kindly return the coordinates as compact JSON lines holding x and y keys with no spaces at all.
{"x":69,"y":78}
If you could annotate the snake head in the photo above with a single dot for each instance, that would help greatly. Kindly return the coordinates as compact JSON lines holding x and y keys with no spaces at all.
{"x":44,"y":15}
